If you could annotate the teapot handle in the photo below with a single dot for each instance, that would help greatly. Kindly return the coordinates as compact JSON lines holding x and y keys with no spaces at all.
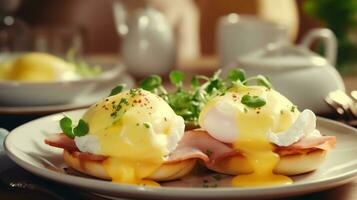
{"x":328,"y":38}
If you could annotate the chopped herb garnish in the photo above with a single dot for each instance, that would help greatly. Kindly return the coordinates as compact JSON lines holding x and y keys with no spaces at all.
{"x":66,"y":125}
{"x":146,"y":125}
{"x":117,"y":107}
{"x":119,"y":88}
{"x":245,"y":110}
{"x":253,"y":101}
{"x":293,"y":108}
{"x":281,"y":112}
{"x":133,"y":92}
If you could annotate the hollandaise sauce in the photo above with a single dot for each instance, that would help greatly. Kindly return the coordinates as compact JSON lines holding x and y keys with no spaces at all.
{"x":249,"y":113}
{"x":259,"y":152}
{"x":131,"y":172}
{"x":132,"y":129}
{"x":253,"y":125}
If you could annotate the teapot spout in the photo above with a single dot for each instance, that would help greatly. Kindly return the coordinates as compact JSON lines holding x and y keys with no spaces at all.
{"x":120,"y":16}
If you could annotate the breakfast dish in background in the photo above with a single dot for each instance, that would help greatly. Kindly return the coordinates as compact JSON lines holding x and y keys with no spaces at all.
{"x":33,"y":81}
{"x":43,"y":67}
{"x":251,"y":132}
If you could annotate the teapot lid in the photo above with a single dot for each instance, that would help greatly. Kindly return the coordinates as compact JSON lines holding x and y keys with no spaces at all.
{"x":280,"y":57}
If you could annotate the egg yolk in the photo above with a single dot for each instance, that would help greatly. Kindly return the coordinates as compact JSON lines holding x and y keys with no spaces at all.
{"x":132,"y":129}
{"x":253,"y":125}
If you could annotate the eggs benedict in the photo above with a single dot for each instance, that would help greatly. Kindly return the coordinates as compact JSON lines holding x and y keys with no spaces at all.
{"x":130,"y":136}
{"x":260,"y":123}
{"x":251,"y":132}
{"x":43,"y":67}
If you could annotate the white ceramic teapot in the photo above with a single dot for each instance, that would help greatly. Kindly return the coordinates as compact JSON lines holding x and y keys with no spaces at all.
{"x":300,"y":74}
{"x":148,"y":45}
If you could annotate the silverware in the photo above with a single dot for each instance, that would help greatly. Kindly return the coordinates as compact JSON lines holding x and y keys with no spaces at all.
{"x":344,"y":105}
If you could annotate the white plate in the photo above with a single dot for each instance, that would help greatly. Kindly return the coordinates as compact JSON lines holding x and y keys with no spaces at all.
{"x":25,"y":146}
{"x":82,"y":101}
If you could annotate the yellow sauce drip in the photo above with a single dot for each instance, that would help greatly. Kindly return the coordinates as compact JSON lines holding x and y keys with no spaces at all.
{"x":259,"y":153}
{"x":253,"y":125}
{"x":130,"y":172}
{"x":135,"y":137}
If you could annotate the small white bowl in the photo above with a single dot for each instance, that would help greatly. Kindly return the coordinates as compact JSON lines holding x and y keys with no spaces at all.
{"x":17,"y":93}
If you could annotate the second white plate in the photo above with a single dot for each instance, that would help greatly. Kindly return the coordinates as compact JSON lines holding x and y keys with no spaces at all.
{"x":82,"y":101}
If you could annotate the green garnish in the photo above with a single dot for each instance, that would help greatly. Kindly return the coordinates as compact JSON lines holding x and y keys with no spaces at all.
{"x":82,"y":67}
{"x":245,"y":110}
{"x":119,"y":88}
{"x":264,"y":81}
{"x":188,"y":102}
{"x":133,"y":92}
{"x":151,"y":83}
{"x":81,"y":129}
{"x":236,"y":75}
{"x":261,"y":80}
{"x":253,"y":101}
{"x":195,"y":83}
{"x":117,"y":107}
{"x":293,"y":108}
{"x":176,"y":78}
{"x":146,"y":125}
{"x":66,"y":125}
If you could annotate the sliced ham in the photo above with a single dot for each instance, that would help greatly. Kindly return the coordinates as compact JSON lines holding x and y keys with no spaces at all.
{"x":308,"y":144}
{"x":88,"y":156}
{"x":198,"y":144}
{"x":60,"y":140}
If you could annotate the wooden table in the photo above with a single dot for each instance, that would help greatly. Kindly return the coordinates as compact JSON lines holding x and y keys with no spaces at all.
{"x":50,"y":190}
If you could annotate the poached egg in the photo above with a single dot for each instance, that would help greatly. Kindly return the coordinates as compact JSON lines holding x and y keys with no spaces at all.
{"x":136,"y":130}
{"x":253,"y":131}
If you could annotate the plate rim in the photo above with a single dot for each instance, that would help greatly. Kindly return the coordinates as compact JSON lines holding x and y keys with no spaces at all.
{"x":128,"y":190}
{"x":56,"y":108}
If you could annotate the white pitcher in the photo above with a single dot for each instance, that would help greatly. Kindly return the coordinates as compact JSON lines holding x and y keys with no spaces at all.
{"x":148,"y":45}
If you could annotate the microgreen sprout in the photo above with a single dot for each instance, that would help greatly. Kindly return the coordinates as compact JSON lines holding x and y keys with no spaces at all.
{"x":188,"y":102}
{"x":66,"y":125}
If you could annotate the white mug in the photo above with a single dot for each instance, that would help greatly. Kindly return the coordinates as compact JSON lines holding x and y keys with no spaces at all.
{"x":239,"y":35}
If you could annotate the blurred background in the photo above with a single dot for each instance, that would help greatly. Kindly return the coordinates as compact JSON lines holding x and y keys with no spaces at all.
{"x":304,"y":46}
{"x":95,"y":18}
{"x":93,"y":22}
